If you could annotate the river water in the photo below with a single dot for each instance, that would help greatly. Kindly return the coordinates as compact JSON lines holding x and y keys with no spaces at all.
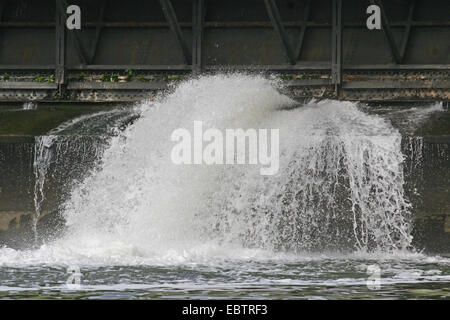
{"x":334,"y":222}
{"x":294,"y":277}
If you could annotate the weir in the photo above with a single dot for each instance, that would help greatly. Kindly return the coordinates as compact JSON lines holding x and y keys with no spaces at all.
{"x":368,"y":104}
{"x":232,"y":149}
{"x":351,"y":176}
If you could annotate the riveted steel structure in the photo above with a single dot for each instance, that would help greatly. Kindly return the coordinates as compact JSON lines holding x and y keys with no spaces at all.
{"x":321,"y":47}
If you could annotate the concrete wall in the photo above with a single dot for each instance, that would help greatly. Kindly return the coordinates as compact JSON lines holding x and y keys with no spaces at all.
{"x":426,"y":171}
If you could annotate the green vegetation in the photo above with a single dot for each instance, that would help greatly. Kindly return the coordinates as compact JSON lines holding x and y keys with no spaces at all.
{"x":172,"y":77}
{"x":39,"y":78}
{"x":130,"y":74}
{"x":50,"y":78}
{"x":6,"y":77}
{"x":115,"y":77}
{"x":112,"y":77}
{"x":105,"y":78}
{"x":142,"y":78}
{"x":286,"y":76}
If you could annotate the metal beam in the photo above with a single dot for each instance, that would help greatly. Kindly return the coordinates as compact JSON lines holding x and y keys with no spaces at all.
{"x":275,"y":18}
{"x":388,"y":32}
{"x":27,"y":85}
{"x":151,"y":85}
{"x":371,"y":84}
{"x":26,"y":67}
{"x":171,"y":18}
{"x":317,"y":66}
{"x":307,"y":9}
{"x":336,"y":44}
{"x":98,"y":31}
{"x":198,"y":20}
{"x":222,"y":24}
{"x":397,"y":84}
{"x":398,"y":67}
{"x":60,"y":53}
{"x":2,"y":7}
{"x":408,"y":25}
{"x":136,"y":67}
{"x":82,"y":56}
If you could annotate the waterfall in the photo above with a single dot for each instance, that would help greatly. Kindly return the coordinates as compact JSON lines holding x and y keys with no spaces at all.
{"x":63,"y":144}
{"x":339,"y":186}
{"x":43,"y":157}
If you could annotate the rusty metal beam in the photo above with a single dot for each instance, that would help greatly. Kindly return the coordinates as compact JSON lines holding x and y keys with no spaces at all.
{"x":171,"y":18}
{"x":275,"y":18}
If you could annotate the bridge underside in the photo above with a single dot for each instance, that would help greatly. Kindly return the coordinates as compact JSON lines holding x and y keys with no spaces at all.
{"x":127,"y":50}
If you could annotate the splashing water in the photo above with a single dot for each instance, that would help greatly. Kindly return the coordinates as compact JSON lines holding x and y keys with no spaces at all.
{"x":43,"y":157}
{"x":411,"y":119}
{"x":339,"y":187}
{"x":49,"y":149}
{"x":139,"y":226}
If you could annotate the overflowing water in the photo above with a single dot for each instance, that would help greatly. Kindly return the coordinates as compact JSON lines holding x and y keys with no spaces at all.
{"x":61,"y":143}
{"x":138,"y":223}
{"x":42,"y":159}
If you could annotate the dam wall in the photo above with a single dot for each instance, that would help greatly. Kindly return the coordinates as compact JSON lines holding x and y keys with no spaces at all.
{"x":129,"y":50}
{"x":35,"y":167}
{"x":126,"y":51}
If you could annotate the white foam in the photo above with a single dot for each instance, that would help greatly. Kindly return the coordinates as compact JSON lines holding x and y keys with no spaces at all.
{"x":340,"y":183}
